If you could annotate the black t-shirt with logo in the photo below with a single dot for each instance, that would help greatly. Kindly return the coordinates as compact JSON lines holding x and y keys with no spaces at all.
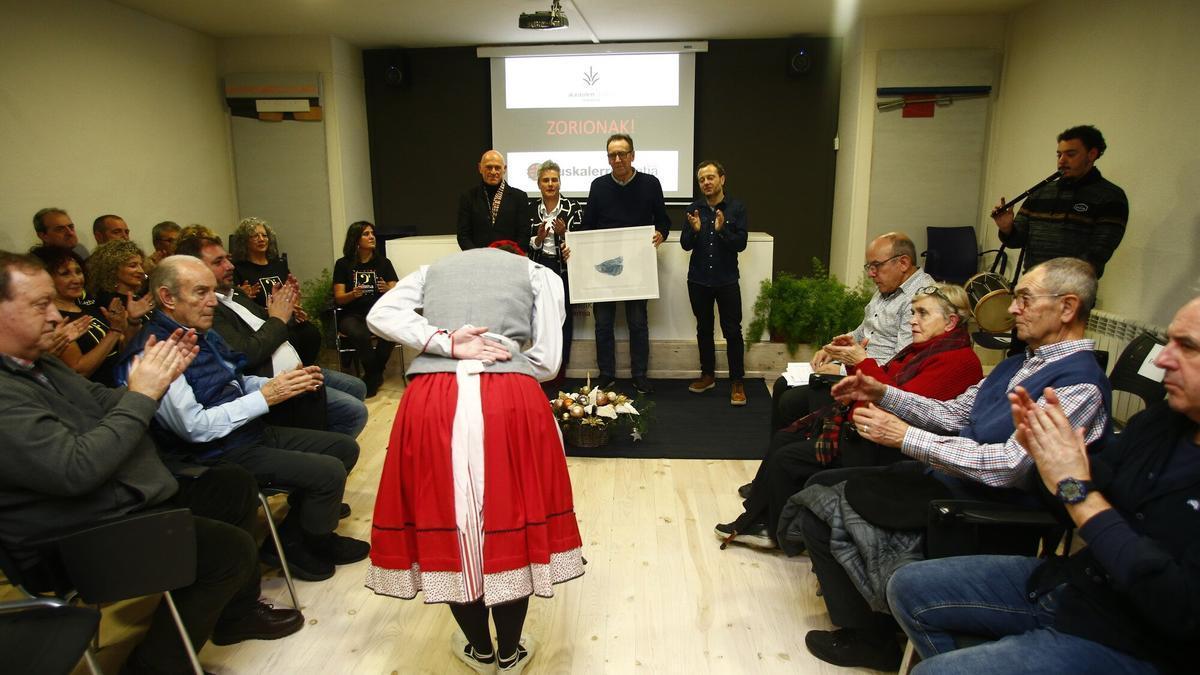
{"x":351,"y":273}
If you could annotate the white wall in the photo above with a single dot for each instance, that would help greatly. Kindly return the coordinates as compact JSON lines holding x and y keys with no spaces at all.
{"x":1130,"y":69}
{"x":104,"y":109}
{"x":856,"y":125}
{"x":347,"y":154}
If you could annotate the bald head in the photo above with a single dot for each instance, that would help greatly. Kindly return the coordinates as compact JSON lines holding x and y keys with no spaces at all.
{"x":491,"y":167}
{"x":1180,"y":361}
{"x":184,"y":288}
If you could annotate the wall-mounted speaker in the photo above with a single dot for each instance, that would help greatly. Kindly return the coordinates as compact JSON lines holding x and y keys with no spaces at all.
{"x":800,"y":61}
{"x":395,"y":70}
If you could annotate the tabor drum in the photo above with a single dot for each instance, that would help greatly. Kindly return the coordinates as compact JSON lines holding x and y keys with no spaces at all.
{"x":990,"y":297}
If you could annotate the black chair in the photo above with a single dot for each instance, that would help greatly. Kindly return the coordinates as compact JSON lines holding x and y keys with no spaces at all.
{"x":1125,"y":376}
{"x":47,"y":636}
{"x":143,"y":554}
{"x":952,"y":254}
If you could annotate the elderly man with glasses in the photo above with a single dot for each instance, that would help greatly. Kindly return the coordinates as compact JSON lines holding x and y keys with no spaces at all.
{"x":966,"y":448}
{"x":891,"y":263}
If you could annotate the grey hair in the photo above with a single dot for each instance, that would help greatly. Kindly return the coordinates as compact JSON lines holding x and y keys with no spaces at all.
{"x":548,"y":165}
{"x":952,"y":301}
{"x":902,"y":245}
{"x":1071,"y":276}
{"x":166,"y":274}
{"x":238,"y":244}
{"x":164,"y":227}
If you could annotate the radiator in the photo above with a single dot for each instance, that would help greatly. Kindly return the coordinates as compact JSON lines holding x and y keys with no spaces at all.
{"x":1112,"y":333}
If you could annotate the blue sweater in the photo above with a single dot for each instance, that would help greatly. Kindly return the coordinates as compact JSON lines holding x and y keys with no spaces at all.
{"x":215,"y":377}
{"x":639,"y":202}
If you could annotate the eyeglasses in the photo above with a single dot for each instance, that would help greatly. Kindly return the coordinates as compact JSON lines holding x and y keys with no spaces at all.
{"x":619,"y":155}
{"x":933,"y":290}
{"x":259,"y":235}
{"x":1021,"y":300}
{"x":874,"y":266}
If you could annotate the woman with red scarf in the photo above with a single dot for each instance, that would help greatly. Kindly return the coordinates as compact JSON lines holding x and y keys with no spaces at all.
{"x":939,"y":363}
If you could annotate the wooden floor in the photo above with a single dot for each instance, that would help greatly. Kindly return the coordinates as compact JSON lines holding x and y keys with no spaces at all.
{"x":659,"y":596}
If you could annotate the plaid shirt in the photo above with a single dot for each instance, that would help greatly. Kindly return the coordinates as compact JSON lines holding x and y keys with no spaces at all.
{"x":996,"y":464}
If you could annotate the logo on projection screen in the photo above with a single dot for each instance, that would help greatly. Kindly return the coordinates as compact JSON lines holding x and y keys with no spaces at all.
{"x":580,"y":167}
{"x":629,"y":80}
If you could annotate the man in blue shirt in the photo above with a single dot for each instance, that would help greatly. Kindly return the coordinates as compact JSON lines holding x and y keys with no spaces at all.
{"x":625,"y":198}
{"x":716,"y":233}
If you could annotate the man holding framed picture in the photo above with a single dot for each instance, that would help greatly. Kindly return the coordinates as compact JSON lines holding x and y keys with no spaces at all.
{"x":625,"y":198}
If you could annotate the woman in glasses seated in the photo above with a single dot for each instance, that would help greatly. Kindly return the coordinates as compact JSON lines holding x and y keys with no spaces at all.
{"x":939,"y":363}
{"x":258,"y":267}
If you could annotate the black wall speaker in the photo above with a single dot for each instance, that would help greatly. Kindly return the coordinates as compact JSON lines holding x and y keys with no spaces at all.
{"x":395,"y":70}
{"x":800,"y":61}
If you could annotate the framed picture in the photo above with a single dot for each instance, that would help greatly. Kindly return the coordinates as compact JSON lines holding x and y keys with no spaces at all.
{"x":612,"y":265}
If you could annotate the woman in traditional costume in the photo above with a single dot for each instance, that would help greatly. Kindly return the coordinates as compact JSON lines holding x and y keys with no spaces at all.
{"x":474,"y":506}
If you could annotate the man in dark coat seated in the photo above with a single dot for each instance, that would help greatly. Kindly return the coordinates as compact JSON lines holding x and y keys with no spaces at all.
{"x":1129,"y":601}
{"x":77,"y":452}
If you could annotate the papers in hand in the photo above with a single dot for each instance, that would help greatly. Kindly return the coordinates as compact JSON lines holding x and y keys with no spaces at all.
{"x":797,"y":374}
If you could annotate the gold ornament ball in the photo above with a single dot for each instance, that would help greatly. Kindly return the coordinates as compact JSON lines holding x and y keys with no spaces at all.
{"x":556,"y":403}
{"x":612,"y":395}
{"x":577,"y":411}
{"x":566,"y":416}
{"x":602,"y":399}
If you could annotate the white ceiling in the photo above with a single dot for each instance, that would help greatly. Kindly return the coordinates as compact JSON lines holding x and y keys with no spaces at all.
{"x":439,"y":23}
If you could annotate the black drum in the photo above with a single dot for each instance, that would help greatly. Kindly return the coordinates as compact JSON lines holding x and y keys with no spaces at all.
{"x":990,"y":297}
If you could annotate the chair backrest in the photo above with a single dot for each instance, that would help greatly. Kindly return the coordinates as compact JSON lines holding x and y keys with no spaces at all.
{"x":1126,"y":375}
{"x":138,"y":555}
{"x":953,"y":253}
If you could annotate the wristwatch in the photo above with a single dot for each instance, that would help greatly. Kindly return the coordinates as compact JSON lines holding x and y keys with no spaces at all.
{"x":1073,"y":490}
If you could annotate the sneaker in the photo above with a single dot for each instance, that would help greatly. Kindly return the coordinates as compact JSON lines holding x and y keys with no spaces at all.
{"x":517,"y":663}
{"x":849,"y":648}
{"x":737,"y":393}
{"x":642,"y":385}
{"x":755,"y":535}
{"x":302,"y":563}
{"x":703,"y":384}
{"x":466,"y":653}
{"x":744,"y":491}
{"x":337,"y":549}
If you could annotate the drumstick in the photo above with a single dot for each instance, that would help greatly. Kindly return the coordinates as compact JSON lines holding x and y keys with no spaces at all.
{"x":1048,"y":179}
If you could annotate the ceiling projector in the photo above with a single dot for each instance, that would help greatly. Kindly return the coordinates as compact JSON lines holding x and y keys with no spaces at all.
{"x":549,"y":20}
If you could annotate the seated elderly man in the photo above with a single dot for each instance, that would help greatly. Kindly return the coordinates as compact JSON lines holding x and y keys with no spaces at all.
{"x":263,"y":335}
{"x":1129,"y":601}
{"x":970,"y":443}
{"x":76,"y":452}
{"x":214,"y":414}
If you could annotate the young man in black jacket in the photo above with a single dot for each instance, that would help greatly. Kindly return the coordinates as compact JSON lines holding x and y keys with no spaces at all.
{"x":1128,"y":602}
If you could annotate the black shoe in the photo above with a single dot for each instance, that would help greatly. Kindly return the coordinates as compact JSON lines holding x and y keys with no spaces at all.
{"x":849,"y":648}
{"x":642,"y":385}
{"x":606,"y":382}
{"x":344,"y":511}
{"x":373,"y":381}
{"x":337,"y":549}
{"x":745,"y":490}
{"x":302,"y":563}
{"x":755,"y":534}
{"x":264,"y":622}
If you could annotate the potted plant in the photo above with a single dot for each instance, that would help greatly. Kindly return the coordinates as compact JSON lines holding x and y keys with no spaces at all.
{"x":316,"y":298}
{"x":811,"y":309}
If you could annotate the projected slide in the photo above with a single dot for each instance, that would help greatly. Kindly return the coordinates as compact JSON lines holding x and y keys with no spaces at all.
{"x":564,"y":108}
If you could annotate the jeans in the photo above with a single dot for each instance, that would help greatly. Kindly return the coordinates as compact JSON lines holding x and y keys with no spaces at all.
{"x":986,"y":596}
{"x":606,"y":342}
{"x":729,"y":304}
{"x":344,"y":394}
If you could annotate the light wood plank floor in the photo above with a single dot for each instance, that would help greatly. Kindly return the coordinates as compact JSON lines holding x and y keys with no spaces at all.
{"x":659,"y":596}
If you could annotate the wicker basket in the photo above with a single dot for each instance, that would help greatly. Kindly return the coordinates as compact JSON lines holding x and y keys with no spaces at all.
{"x":585,"y":435}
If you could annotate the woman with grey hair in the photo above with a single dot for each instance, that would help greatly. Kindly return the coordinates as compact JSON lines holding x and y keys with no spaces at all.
{"x":258,"y":267}
{"x":553,"y":216}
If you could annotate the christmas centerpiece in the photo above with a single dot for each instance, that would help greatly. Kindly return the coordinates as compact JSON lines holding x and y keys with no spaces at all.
{"x":589,"y":416}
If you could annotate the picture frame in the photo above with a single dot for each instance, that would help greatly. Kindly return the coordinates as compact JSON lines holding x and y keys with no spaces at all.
{"x":612,"y":265}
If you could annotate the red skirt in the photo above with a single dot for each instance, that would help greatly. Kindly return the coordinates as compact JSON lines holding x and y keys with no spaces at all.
{"x":530,"y":537}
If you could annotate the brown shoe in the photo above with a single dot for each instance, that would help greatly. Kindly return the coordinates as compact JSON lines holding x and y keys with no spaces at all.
{"x":703,"y":384}
{"x":737,"y":393}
